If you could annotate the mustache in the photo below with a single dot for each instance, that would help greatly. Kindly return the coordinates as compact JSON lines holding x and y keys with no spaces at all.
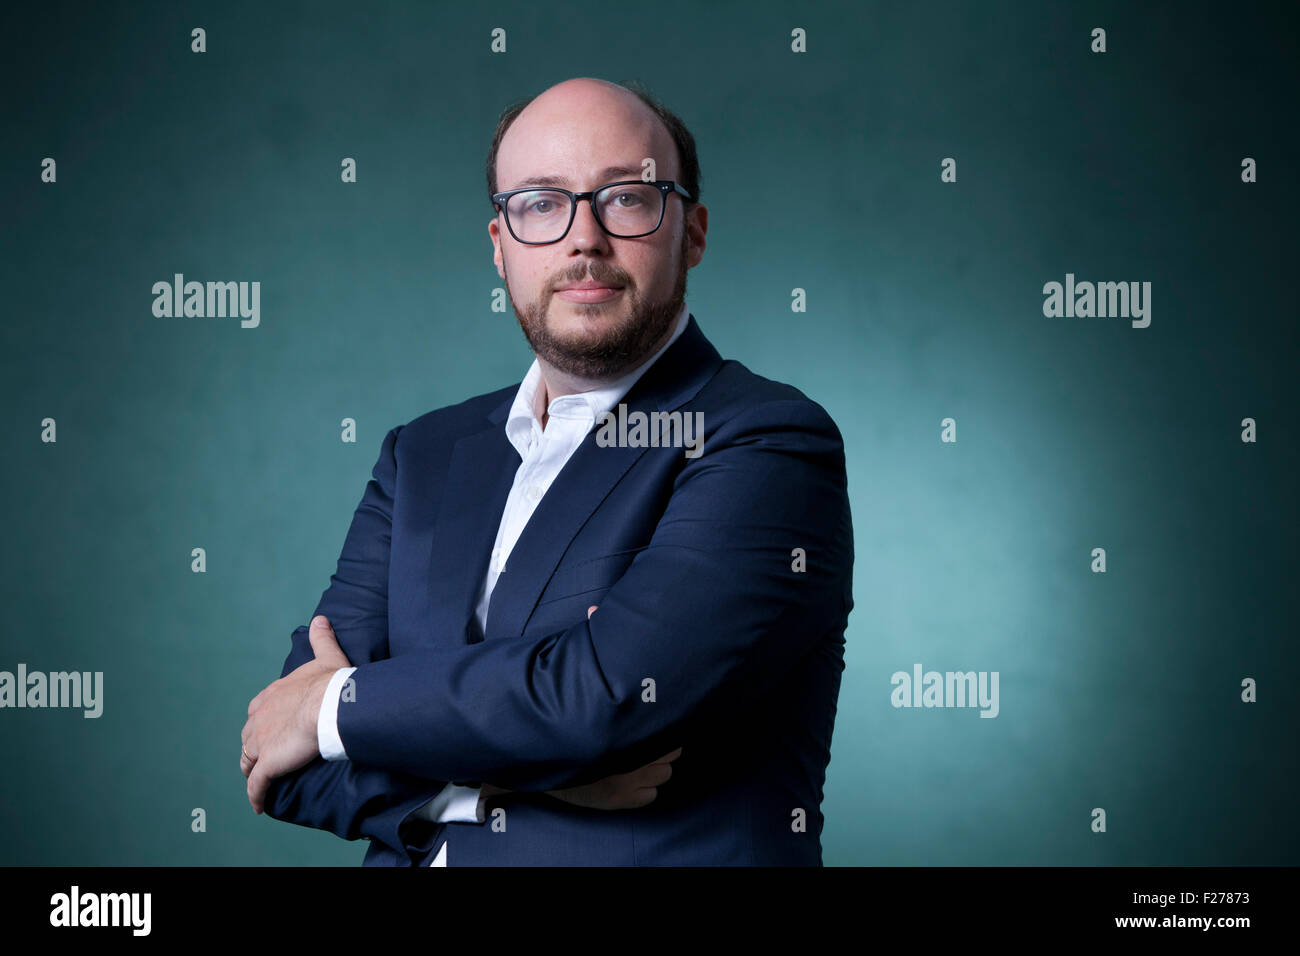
{"x":605,"y":278}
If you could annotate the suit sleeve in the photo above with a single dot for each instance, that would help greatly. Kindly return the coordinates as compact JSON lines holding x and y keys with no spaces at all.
{"x":337,"y":795}
{"x":711,"y":616}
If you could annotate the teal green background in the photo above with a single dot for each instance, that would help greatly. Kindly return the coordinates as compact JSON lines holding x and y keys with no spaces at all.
{"x":821,"y":172}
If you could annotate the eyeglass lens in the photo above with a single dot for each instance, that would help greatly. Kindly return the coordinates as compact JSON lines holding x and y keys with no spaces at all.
{"x":542,"y":215}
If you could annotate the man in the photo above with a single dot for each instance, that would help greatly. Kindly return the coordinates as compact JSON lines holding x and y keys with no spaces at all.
{"x":540,"y":614}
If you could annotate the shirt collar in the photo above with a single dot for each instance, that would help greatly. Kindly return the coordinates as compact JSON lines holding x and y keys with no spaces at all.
{"x":522,"y":425}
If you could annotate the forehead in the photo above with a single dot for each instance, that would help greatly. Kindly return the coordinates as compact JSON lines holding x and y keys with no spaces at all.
{"x":582,"y":145}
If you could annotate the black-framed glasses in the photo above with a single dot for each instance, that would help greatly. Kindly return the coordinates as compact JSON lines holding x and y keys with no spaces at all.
{"x":537,"y":215}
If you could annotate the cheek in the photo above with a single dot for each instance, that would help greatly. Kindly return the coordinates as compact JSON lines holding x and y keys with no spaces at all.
{"x":532,"y":274}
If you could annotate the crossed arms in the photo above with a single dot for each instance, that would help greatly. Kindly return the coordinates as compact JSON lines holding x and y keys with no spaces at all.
{"x":713,"y":610}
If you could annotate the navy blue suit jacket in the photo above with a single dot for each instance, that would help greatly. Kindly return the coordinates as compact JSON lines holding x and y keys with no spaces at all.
{"x":703,"y":606}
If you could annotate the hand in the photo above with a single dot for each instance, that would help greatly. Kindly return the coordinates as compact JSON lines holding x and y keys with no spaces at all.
{"x":622,"y":791}
{"x":280,"y":735}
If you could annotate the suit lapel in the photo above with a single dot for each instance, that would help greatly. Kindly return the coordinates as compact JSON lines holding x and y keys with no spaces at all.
{"x":479,"y":477}
{"x":584,"y":482}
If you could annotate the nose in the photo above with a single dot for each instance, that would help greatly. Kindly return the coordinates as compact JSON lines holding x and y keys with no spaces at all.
{"x":586,"y":231}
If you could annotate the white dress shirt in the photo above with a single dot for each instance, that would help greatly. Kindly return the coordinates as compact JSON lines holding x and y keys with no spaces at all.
{"x":544,"y":450}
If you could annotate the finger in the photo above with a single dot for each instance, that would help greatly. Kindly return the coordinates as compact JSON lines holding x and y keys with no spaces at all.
{"x":247,"y":752}
{"x":592,"y":610}
{"x":324,"y":643}
{"x":656,"y":774}
{"x":642,"y":797}
{"x":257,"y":784}
{"x":668,"y":757}
{"x":321,"y":636}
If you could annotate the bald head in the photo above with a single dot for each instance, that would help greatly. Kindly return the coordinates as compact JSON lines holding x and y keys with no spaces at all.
{"x":556,"y":136}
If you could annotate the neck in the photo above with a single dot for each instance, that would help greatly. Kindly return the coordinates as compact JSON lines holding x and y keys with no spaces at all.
{"x":556,"y":383}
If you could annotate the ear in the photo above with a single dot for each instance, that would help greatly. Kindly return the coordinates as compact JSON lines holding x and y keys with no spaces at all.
{"x":494,"y":231}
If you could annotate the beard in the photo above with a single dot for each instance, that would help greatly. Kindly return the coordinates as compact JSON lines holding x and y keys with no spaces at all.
{"x":621,"y":345}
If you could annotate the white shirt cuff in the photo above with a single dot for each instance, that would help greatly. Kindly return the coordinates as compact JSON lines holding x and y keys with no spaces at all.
{"x":455,"y":804}
{"x":327,"y":723}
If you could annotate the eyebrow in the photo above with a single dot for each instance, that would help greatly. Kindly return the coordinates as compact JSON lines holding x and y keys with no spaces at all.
{"x":605,"y":175}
